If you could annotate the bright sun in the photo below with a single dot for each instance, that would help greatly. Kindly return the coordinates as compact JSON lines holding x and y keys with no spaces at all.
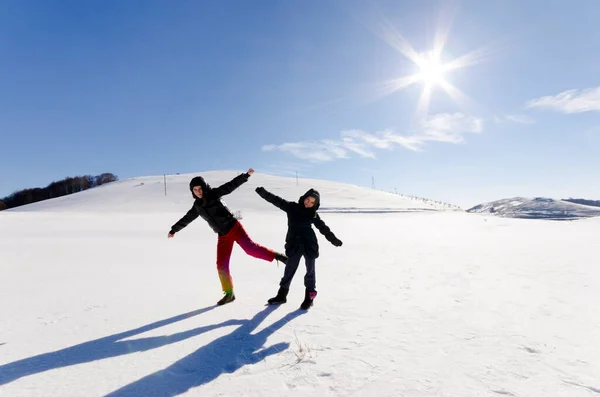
{"x":431,"y":70}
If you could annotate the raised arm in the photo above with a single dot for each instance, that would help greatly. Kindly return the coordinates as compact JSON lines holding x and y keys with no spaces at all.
{"x":183,"y":222}
{"x":230,"y":186}
{"x":273,"y":199}
{"x":325,"y":231}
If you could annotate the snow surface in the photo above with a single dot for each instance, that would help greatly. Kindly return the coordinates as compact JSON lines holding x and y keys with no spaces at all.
{"x":96,"y":301}
{"x":536,"y":208}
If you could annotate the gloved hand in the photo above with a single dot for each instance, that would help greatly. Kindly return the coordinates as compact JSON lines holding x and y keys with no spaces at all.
{"x":337,"y":242}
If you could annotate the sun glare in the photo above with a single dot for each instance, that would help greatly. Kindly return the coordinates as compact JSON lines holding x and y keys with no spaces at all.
{"x":431,"y":70}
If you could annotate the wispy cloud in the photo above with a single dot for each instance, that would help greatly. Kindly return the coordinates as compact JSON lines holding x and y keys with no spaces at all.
{"x":325,"y":150}
{"x":289,"y":168}
{"x":514,"y":118}
{"x":379,"y":140}
{"x":571,"y":101}
{"x":443,"y":127}
{"x":521,"y":119}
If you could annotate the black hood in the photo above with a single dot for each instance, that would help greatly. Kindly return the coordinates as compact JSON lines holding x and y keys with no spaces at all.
{"x":199,"y":181}
{"x":311,"y":193}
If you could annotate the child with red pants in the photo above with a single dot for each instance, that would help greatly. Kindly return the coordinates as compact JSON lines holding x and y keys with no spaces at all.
{"x":209,"y":206}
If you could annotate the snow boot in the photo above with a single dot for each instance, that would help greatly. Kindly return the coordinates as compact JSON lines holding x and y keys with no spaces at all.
{"x":229,"y":297}
{"x":280,"y":298}
{"x":309,"y":297}
{"x":281,"y":258}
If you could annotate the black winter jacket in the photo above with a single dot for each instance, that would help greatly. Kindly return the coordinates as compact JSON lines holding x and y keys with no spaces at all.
{"x":210,"y":207}
{"x":300,"y":220}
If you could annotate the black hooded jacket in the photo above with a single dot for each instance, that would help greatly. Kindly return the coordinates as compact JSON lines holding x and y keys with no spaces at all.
{"x":210,"y":207}
{"x":300,"y":220}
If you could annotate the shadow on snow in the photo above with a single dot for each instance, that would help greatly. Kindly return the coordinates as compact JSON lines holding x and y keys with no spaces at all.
{"x":226,"y":354}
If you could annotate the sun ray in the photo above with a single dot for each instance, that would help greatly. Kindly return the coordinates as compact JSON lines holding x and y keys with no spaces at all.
{"x":472,"y":58}
{"x":457,"y":96}
{"x":374,"y":19}
{"x":395,"y":40}
{"x":393,"y":85}
{"x":424,"y":100}
{"x":443,"y":31}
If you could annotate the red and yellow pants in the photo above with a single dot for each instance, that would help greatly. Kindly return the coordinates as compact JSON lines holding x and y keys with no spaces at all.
{"x":225,"y":246}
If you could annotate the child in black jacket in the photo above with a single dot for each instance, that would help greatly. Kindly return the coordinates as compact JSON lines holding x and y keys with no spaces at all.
{"x":300,"y":241}
{"x":209,"y":206}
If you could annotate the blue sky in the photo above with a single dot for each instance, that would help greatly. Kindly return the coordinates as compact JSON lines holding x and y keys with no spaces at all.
{"x":151,"y":87}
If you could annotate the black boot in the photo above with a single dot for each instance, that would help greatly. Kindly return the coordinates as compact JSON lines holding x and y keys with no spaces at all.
{"x":309,"y":297}
{"x":229,"y":297}
{"x":280,"y":298}
{"x":281,"y":257}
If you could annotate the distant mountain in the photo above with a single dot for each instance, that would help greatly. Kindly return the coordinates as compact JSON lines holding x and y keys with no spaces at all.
{"x":536,"y":208}
{"x":594,"y":203}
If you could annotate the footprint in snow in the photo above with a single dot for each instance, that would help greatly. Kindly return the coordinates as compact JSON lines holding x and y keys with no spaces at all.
{"x":531,"y":350}
{"x":503,"y":392}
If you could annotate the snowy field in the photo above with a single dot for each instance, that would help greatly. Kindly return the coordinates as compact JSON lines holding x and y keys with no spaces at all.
{"x":96,"y":301}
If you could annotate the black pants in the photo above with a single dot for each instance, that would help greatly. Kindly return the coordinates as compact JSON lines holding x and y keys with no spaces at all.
{"x":310,"y":278}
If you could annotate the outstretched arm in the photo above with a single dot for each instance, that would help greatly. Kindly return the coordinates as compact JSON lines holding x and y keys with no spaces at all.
{"x":325,"y":231}
{"x":233,"y":184}
{"x":273,"y":199}
{"x":183,"y":222}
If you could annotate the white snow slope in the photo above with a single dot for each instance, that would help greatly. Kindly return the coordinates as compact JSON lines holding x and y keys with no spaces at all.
{"x":96,"y":301}
{"x":147,"y":195}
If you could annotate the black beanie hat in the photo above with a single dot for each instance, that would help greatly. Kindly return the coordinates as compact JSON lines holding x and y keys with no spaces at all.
{"x":199,"y":181}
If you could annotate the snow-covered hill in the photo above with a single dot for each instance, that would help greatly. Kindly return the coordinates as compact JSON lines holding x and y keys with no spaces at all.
{"x":147,"y":195}
{"x":96,"y":301}
{"x":536,"y":208}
